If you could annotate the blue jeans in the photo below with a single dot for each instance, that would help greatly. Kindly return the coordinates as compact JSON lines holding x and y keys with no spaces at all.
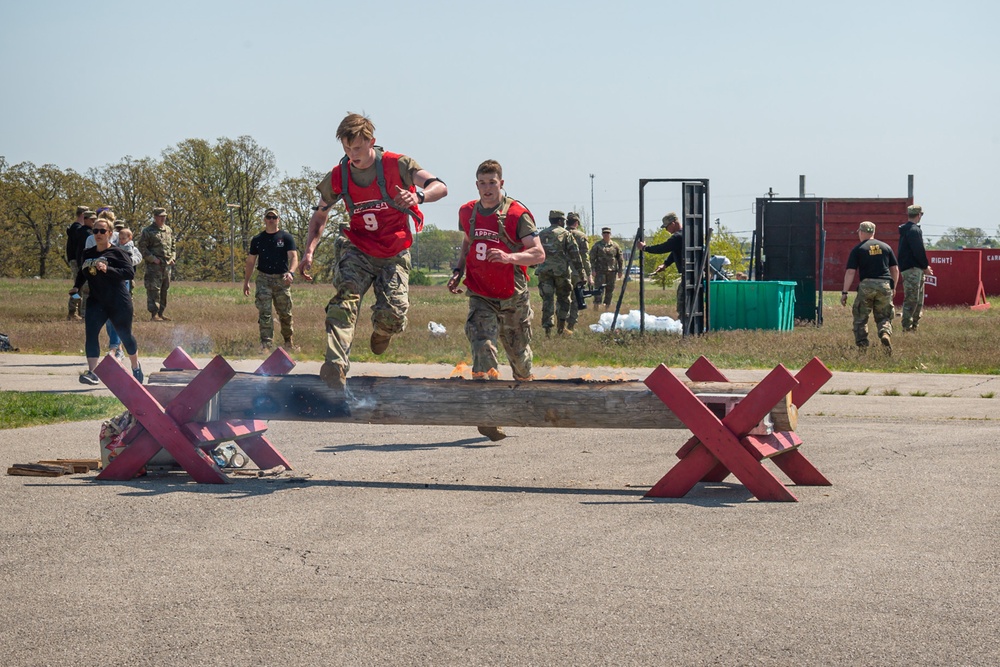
{"x":113,"y":339}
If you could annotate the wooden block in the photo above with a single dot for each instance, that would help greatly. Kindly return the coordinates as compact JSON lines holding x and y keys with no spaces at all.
{"x":37,"y":470}
{"x":86,"y":464}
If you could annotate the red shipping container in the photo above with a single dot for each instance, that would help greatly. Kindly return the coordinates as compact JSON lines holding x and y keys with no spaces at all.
{"x":991,"y":271}
{"x":957,"y":280}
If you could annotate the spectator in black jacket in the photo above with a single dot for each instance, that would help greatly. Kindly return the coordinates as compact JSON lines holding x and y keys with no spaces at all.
{"x":913,"y":265}
{"x":107,"y":269}
{"x":71,"y":259}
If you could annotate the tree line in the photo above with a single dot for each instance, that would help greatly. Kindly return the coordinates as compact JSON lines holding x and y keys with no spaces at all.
{"x":203,"y":185}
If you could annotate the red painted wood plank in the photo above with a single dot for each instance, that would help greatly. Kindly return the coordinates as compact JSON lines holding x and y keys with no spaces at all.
{"x":766,"y":446}
{"x":800,"y":470}
{"x":680,"y":479}
{"x":262,"y":452}
{"x":715,"y":435}
{"x":279,"y":363}
{"x":703,"y":370}
{"x":179,"y":360}
{"x":751,"y":410}
{"x":151,"y":415}
{"x":130,"y":460}
{"x":209,"y":434}
{"x":811,"y":377}
{"x":192,"y":398}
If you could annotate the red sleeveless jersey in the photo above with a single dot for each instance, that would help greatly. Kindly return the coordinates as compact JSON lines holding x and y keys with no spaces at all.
{"x":490,"y":279}
{"x":377,"y":228}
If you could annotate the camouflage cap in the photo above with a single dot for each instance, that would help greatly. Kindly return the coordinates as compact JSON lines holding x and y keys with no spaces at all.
{"x":605,"y":230}
{"x":557,"y":215}
{"x":272,"y":210}
{"x":119,"y":224}
{"x":159,"y":211}
{"x":914,"y":209}
{"x":867,"y":227}
{"x":573,"y":215}
{"x":89,"y":215}
{"x":670,"y":217}
{"x":82,"y":209}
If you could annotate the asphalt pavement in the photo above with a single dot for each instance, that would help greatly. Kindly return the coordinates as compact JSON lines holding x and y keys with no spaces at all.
{"x":433,"y":546}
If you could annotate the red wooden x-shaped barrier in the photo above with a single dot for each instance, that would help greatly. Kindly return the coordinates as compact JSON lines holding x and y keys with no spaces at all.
{"x":173,"y":427}
{"x":723,"y":446}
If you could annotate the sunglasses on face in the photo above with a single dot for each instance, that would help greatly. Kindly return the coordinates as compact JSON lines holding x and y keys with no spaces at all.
{"x":270,"y":217}
{"x":100,"y":231}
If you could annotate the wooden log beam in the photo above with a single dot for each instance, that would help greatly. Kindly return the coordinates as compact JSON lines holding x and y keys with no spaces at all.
{"x":459,"y":402}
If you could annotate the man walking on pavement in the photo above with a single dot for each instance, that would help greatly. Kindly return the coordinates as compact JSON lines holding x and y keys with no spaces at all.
{"x":875,"y":264}
{"x":275,"y":257}
{"x":913,"y":265}
{"x":561,"y":269}
{"x":156,"y":243}
{"x":573,"y":225}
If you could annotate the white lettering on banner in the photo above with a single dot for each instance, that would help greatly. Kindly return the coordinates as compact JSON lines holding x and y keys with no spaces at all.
{"x":930,"y":281}
{"x":993,"y":258}
{"x":941,"y":260}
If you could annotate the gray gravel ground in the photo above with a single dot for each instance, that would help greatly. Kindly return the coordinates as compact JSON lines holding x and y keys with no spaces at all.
{"x":433,"y":546}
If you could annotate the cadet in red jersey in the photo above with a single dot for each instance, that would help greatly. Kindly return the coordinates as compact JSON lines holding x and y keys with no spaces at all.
{"x":379,"y":191}
{"x":493,"y":259}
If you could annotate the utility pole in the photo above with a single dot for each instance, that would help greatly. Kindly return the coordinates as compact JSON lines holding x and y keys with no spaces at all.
{"x":593,"y":223}
{"x":232,"y":231}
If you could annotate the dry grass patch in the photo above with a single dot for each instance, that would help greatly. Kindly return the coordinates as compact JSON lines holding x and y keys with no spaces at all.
{"x":210,"y":318}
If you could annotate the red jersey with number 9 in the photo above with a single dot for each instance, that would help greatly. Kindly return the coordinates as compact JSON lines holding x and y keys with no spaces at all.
{"x":377,"y":228}
{"x":490,"y":279}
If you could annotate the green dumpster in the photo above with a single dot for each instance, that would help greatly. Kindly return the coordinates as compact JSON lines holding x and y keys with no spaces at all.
{"x":751,"y":304}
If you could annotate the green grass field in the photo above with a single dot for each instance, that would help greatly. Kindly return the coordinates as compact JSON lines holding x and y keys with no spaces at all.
{"x":215,"y":318}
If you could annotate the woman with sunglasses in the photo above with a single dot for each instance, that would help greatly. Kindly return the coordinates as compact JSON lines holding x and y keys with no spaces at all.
{"x":106,"y":268}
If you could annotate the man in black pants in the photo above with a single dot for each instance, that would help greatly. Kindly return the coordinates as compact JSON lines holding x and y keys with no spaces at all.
{"x":673,"y":248}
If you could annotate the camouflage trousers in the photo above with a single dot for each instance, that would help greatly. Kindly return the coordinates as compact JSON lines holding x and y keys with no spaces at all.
{"x":356,"y":273}
{"x":157,"y":282}
{"x":605,"y":280}
{"x":508,"y":320}
{"x":272,"y":290}
{"x":874,"y":298}
{"x":556,"y":293}
{"x":913,"y":297}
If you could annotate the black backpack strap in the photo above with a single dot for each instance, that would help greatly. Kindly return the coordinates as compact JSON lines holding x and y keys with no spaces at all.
{"x":345,"y":175}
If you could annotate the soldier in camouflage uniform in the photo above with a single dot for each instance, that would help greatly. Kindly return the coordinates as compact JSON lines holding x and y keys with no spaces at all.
{"x":608,"y":263}
{"x":561,"y":269}
{"x":913,"y":265}
{"x":156,"y":243}
{"x":875,"y":264}
{"x":275,"y":257}
{"x":573,"y":225}
{"x":499,"y":242}
{"x":379,"y":192}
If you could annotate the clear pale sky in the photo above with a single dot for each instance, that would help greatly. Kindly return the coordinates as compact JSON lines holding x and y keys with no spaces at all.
{"x":855,"y":95}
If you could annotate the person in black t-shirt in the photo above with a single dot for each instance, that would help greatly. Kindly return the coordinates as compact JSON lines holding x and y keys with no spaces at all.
{"x":673,"y":247}
{"x":274,"y":254}
{"x":875,"y":264}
